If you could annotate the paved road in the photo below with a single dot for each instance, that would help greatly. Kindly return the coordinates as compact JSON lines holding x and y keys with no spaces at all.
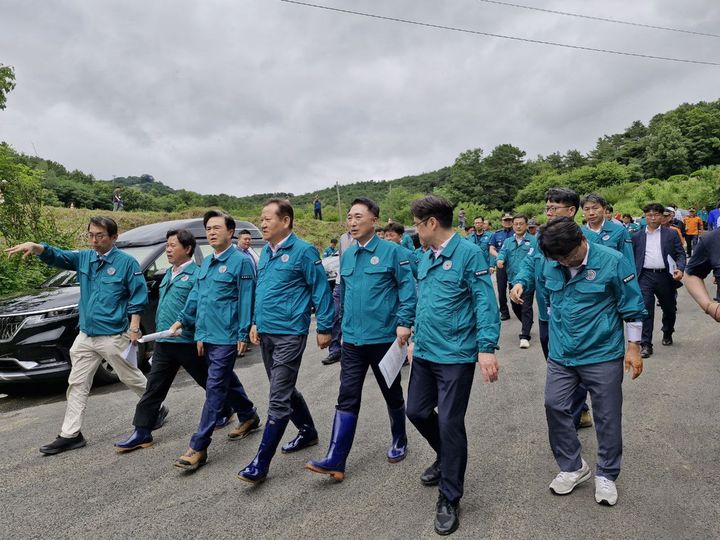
{"x":668,"y":488}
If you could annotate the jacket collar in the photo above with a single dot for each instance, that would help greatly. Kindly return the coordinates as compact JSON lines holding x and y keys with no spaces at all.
{"x":447,"y":251}
{"x":109,"y":256}
{"x":224,"y":255}
{"x":288,"y":243}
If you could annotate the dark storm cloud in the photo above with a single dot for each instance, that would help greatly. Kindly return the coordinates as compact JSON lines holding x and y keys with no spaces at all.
{"x":259,"y":95}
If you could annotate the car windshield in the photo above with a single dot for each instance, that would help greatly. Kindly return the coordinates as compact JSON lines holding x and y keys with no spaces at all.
{"x":67,"y":278}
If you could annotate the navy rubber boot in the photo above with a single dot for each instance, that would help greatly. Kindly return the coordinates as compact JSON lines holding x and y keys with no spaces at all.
{"x":301,"y":417}
{"x":343,"y":434}
{"x":140,"y":438}
{"x":257,"y":469}
{"x":398,"y":449}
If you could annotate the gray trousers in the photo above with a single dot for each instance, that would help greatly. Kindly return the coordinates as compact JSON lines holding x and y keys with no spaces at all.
{"x":282,"y":355}
{"x":604,"y":382}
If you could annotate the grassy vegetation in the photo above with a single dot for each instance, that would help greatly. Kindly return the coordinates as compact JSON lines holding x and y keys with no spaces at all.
{"x":74,"y":222}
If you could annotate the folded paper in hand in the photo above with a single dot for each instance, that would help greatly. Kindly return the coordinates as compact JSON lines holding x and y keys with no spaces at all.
{"x":392,"y":362}
{"x":130,"y":354}
{"x":159,"y":335}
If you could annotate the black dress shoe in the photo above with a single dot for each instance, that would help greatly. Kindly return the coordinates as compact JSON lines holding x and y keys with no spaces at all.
{"x":161,"y":417}
{"x":667,"y":339}
{"x":331,"y":359}
{"x":646,"y":351}
{"x":446,"y":516}
{"x":62,"y":444}
{"x":504,"y":316}
{"x":431,"y":476}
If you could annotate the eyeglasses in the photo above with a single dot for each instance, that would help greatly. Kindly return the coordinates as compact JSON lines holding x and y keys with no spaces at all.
{"x":423,"y":222}
{"x":98,"y":236}
{"x":553,"y":209}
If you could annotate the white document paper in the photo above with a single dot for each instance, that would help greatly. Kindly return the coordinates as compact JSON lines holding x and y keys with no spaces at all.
{"x":672,"y":266}
{"x":392,"y":362}
{"x":130,"y":354}
{"x":158,"y":335}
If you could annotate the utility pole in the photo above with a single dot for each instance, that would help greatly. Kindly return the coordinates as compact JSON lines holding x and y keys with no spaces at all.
{"x":337,"y":188}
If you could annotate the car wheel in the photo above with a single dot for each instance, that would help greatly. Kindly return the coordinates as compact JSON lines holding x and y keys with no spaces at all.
{"x":105,"y":374}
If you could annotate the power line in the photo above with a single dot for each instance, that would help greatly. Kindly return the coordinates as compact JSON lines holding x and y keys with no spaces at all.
{"x":603,"y":19}
{"x":489,"y":34}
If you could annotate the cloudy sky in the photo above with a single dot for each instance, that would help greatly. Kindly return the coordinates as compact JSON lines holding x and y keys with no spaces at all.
{"x":253,"y":96}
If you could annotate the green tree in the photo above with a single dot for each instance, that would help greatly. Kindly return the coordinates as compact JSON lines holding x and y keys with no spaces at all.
{"x":666,"y":152}
{"x":7,"y":83}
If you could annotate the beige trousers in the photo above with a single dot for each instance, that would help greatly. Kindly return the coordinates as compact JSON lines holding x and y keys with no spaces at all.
{"x":86,"y":354}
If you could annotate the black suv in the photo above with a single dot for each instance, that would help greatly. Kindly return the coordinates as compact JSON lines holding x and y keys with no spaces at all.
{"x":38,"y":328}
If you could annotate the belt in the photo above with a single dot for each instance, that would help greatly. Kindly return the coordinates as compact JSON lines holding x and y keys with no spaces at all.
{"x":654,"y":270}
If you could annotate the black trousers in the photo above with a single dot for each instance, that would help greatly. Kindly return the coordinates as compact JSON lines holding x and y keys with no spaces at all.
{"x":543,"y":327}
{"x":524,"y":313}
{"x":447,"y":387}
{"x":502,"y":287}
{"x":354,"y":364}
{"x":690,"y":240}
{"x":167,"y":360}
{"x":662,"y":285}
{"x":282,"y":355}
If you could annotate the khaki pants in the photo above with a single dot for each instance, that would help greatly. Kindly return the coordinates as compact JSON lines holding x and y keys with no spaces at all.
{"x":86,"y":354}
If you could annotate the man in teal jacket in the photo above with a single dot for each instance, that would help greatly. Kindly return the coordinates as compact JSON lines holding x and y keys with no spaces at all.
{"x":395,"y":233}
{"x":559,"y":202}
{"x":171,"y":353}
{"x":512,"y":254}
{"x":609,"y":233}
{"x":291,"y":280}
{"x":220,"y":307}
{"x":592,"y":290}
{"x":456,"y":326}
{"x":378,"y":298}
{"x":111,"y":288}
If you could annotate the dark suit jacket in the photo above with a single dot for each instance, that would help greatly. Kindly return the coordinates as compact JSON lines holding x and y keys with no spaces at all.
{"x":669,"y":243}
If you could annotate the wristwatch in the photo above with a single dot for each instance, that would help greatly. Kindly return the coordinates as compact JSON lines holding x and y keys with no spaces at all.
{"x":134,"y":330}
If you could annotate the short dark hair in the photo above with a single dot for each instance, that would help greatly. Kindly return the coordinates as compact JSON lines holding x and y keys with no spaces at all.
{"x":433,"y":206}
{"x":467,"y":229}
{"x":609,"y":208}
{"x":397,"y":228}
{"x":104,"y":222}
{"x":229,"y":221}
{"x":627,"y":215}
{"x":284,"y":209}
{"x":368,"y":203}
{"x":593,"y":198}
{"x":478,"y":217}
{"x":562,"y":195}
{"x":333,"y":240}
{"x":185,"y":237}
{"x":244,"y":231}
{"x":653,"y":207}
{"x":520,"y":216}
{"x":559,"y":237}
{"x":379,"y":229}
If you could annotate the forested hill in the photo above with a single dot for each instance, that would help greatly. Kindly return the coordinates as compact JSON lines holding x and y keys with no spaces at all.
{"x":683,"y":141}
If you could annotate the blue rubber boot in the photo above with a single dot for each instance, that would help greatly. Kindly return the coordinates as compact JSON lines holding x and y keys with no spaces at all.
{"x":140,"y":438}
{"x":307,"y":434}
{"x":343,"y":434}
{"x":398,"y":449}
{"x":258,"y":468}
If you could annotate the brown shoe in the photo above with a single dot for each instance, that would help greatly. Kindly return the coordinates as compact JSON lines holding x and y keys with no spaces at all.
{"x":191,"y":460}
{"x":245,"y":428}
{"x":585,"y":420}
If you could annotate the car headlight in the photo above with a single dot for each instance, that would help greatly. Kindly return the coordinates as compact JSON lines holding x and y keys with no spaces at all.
{"x":49,"y":316}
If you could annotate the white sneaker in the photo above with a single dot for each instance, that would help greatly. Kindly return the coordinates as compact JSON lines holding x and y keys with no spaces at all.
{"x":524,"y":344}
{"x":605,"y":491}
{"x":565,"y":482}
